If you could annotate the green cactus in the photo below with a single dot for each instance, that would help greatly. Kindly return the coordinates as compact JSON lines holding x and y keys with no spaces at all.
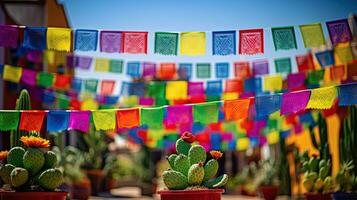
{"x":217,"y":182}
{"x":15,"y":156}
{"x":171,"y":160}
{"x":182,"y":164}
{"x":211,"y":168}
{"x":5,"y":172}
{"x":196,"y":154}
{"x":323,"y":146}
{"x":196,"y":174}
{"x":182,"y":147}
{"x":22,"y":103}
{"x":50,"y":160}
{"x":174,"y":180}
{"x":50,"y":179}
{"x":33,"y":160}
{"x":19,"y":176}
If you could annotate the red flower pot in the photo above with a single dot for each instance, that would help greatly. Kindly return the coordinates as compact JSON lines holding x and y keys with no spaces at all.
{"x":214,"y":194}
{"x":12,"y":195}
{"x":269,"y":192}
{"x":317,"y":196}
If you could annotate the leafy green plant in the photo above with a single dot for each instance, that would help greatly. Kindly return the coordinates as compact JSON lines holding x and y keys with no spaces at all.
{"x":266,"y":174}
{"x":345,"y":179}
{"x":119,"y":167}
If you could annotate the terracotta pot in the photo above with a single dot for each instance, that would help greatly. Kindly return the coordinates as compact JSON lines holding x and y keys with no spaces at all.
{"x":214,"y":194}
{"x":12,"y":195}
{"x":344,"y":195}
{"x":80,"y":190}
{"x":269,"y":192}
{"x":96,"y":177}
{"x":317,"y":196}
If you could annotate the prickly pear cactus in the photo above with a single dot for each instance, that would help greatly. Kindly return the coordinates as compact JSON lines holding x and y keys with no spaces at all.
{"x":5,"y":172}
{"x":15,"y":156}
{"x":19,"y":176}
{"x":189,"y":169}
{"x":33,"y":160}
{"x":50,"y":179}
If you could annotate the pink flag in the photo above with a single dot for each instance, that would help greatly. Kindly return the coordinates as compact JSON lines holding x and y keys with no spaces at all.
{"x":179,"y":114}
{"x":79,"y":120}
{"x":294,"y":102}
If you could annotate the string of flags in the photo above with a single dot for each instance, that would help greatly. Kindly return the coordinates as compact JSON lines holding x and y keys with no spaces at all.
{"x":170,"y":43}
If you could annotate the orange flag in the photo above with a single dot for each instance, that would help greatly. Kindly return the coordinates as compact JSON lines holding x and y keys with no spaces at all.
{"x":236,"y":109}
{"x":128,"y":118}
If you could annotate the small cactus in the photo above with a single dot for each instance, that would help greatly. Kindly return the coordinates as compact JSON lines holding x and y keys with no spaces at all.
{"x":189,"y":167}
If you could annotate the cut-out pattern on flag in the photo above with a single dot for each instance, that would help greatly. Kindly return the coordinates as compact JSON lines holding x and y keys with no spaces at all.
{"x":59,"y":39}
{"x":79,"y":120}
{"x":104,"y":119}
{"x":283,"y":65}
{"x":57,"y":120}
{"x":12,"y":74}
{"x":9,"y":36}
{"x":260,"y":67}
{"x":236,"y":109}
{"x":347,"y":94}
{"x":35,"y":38}
{"x":312,"y":35}
{"x":224,"y":42}
{"x":296,"y":81}
{"x":305,"y":62}
{"x":135,"y":42}
{"x":152,"y":117}
{"x":128,"y":118}
{"x":242,"y":70}
{"x":90,"y":85}
{"x":9,"y":120}
{"x":203,"y":70}
{"x":222,"y":70}
{"x":206,"y":113}
{"x":176,"y":90}
{"x":294,"y":102}
{"x":116,"y":66}
{"x":322,"y":98}
{"x":195,"y":89}
{"x":214,"y":88}
{"x":107,"y":87}
{"x":29,"y":77}
{"x":31,"y":120}
{"x":344,"y":53}
{"x":185,"y":71}
{"x":325,"y":58}
{"x":133,"y":69}
{"x":251,"y":41}
{"x":267,"y":104}
{"x":149,"y":70}
{"x":84,"y":62}
{"x":193,"y":43}
{"x":167,"y":71}
{"x":273,"y":83}
{"x":179,"y":115}
{"x":101,"y":64}
{"x":339,"y":31}
{"x":111,"y":41}
{"x":86,"y":40}
{"x":166,"y":43}
{"x":284,"y":38}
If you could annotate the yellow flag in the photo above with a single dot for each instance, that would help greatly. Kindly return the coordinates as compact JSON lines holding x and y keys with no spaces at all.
{"x":322,"y":98}
{"x":229,"y":95}
{"x":129,"y":101}
{"x":193,"y":43}
{"x":89,"y":104}
{"x":104,"y":119}
{"x":59,"y":39}
{"x":242,"y":144}
{"x":273,"y":137}
{"x":343,"y":53}
{"x":102,"y":65}
{"x":12,"y":74}
{"x":176,"y":90}
{"x":273,"y":83}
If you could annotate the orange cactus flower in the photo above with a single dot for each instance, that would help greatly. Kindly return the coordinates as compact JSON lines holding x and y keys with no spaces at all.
{"x":216,"y":154}
{"x":188,"y":137}
{"x":3,"y":155}
{"x":36,"y":142}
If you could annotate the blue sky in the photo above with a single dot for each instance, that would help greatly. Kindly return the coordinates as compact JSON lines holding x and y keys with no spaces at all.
{"x":204,"y":15}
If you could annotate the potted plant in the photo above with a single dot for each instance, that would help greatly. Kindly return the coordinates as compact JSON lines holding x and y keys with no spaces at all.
{"x":267,"y":180}
{"x":190,"y":176}
{"x":30,"y":172}
{"x":346,"y":183}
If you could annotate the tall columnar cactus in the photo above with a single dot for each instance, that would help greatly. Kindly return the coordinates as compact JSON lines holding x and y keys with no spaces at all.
{"x":22,"y":103}
{"x":323,"y":146}
{"x":188,"y":168}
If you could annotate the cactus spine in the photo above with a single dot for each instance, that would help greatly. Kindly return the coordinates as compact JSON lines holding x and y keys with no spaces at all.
{"x":22,"y":103}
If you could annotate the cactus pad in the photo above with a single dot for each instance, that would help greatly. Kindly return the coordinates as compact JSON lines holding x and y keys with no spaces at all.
{"x":33,"y":160}
{"x":217,"y":182}
{"x":19,"y":176}
{"x":5,"y":172}
{"x":15,"y":156}
{"x":197,"y":154}
{"x":196,"y":174}
{"x":50,"y":159}
{"x":182,"y":147}
{"x":50,"y":179}
{"x":174,"y":180}
{"x":171,"y":160}
{"x":211,"y":168}
{"x":182,"y":164}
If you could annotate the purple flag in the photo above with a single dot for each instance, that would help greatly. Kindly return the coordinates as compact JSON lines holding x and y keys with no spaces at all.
{"x":8,"y":36}
{"x":79,"y":120}
{"x":34,"y":56}
{"x":149,"y":69}
{"x":111,"y":41}
{"x":29,"y":77}
{"x":294,"y":102}
{"x":195,"y":89}
{"x":296,"y":81}
{"x":84,"y":62}
{"x":260,"y":67}
{"x":179,"y":114}
{"x":339,"y":31}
